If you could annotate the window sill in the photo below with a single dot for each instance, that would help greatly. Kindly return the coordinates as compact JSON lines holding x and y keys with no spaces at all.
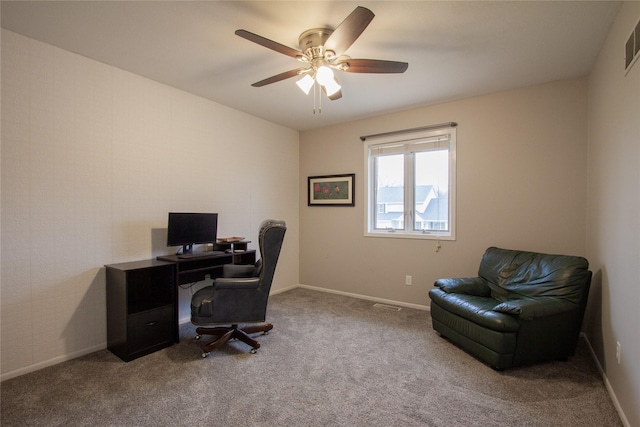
{"x":403,"y":235}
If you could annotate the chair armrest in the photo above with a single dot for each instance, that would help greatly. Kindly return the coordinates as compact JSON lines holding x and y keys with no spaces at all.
{"x":464,"y":285}
{"x":528,"y":309}
{"x":238,"y":270}
{"x":236,"y":283}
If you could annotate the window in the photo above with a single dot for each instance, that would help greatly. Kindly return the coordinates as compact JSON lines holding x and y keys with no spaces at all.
{"x":411,"y":184}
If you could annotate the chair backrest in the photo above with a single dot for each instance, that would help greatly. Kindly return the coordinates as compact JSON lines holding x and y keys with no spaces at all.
{"x":271,"y":236}
{"x":512,"y":274}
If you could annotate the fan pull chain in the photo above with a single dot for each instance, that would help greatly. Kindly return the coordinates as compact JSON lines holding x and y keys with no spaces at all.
{"x":317,"y":98}
{"x":314,"y":97}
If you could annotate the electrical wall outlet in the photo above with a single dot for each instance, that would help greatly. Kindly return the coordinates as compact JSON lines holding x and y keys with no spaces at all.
{"x":408,"y":280}
{"x":618,"y":351}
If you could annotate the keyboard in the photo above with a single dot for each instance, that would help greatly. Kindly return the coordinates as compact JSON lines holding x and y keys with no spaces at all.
{"x":200,"y":254}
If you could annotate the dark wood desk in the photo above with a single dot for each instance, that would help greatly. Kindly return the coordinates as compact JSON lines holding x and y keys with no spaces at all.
{"x":142,"y":298}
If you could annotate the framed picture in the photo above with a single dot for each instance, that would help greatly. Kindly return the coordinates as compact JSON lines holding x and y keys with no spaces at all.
{"x":331,"y":190}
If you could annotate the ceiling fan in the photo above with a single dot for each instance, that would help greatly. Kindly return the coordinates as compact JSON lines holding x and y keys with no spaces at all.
{"x":322,"y":51}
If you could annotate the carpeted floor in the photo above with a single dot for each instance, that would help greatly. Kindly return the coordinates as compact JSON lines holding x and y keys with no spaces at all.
{"x":329,"y":361}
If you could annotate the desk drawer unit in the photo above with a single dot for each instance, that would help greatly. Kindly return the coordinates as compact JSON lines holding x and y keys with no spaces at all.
{"x":141,"y":307}
{"x":149,"y":331}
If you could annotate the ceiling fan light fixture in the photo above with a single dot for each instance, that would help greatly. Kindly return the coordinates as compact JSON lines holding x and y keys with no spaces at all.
{"x":324,"y":75}
{"x":306,"y":83}
{"x":331,"y":87}
{"x":322,"y":50}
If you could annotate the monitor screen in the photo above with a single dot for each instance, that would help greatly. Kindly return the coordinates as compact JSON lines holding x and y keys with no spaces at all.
{"x":187,"y":229}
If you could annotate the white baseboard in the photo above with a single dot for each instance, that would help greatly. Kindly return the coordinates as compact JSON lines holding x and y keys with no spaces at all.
{"x":365,"y":297}
{"x":607,"y":384}
{"x":279,"y":291}
{"x":51,"y":362}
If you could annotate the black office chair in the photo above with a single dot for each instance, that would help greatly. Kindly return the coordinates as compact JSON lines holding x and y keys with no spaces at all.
{"x":240,"y":296}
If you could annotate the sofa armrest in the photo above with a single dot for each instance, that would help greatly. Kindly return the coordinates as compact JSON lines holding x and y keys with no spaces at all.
{"x":464,"y":285}
{"x":528,"y":309}
{"x":236,"y":283}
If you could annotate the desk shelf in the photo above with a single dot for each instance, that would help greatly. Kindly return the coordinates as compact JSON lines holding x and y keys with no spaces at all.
{"x":240,"y":246}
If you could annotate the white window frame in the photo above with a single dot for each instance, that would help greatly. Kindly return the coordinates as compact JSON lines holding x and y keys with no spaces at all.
{"x":406,"y":140}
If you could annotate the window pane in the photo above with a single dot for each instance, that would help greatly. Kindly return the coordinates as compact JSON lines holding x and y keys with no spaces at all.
{"x":389,"y":192}
{"x":411,"y":184}
{"x":431,"y":191}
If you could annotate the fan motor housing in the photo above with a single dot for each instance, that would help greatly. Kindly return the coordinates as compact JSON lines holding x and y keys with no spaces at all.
{"x":312,"y":42}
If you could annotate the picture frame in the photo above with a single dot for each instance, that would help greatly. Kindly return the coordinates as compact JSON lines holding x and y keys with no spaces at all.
{"x":331,"y":190}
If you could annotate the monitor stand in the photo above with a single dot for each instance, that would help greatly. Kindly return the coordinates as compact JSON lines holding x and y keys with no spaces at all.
{"x":187,"y":248}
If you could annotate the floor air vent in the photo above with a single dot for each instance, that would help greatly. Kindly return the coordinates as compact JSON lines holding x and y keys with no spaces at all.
{"x":387,"y":307}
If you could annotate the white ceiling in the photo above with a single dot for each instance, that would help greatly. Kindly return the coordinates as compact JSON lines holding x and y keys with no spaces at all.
{"x":455,"y":49}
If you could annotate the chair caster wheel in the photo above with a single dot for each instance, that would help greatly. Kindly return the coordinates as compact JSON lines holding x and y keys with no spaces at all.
{"x":198,"y":337}
{"x":265,"y":333}
{"x":204,"y":355}
{"x":254,"y":350}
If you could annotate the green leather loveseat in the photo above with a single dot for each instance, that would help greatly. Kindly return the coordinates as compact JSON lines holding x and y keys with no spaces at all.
{"x":524,"y":307}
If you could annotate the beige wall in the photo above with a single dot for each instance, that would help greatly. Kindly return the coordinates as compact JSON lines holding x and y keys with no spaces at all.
{"x":613,"y":231}
{"x":521,"y":183}
{"x":93,"y":158}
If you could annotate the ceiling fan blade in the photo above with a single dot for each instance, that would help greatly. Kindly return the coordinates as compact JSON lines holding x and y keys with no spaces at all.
{"x":349,"y":30}
{"x":374,"y":66}
{"x":270,"y":44}
{"x":278,"y":77}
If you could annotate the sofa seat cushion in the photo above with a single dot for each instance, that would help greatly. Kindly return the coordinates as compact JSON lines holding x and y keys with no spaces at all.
{"x":496,"y":348}
{"x":477,"y":309}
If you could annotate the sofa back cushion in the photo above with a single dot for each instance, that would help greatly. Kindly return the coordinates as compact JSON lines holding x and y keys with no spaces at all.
{"x":513,"y":274}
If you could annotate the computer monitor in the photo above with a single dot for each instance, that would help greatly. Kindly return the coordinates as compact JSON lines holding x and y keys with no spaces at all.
{"x":188,"y":229}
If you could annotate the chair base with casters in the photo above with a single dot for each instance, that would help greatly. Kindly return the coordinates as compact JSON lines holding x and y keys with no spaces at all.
{"x":226,"y":334}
